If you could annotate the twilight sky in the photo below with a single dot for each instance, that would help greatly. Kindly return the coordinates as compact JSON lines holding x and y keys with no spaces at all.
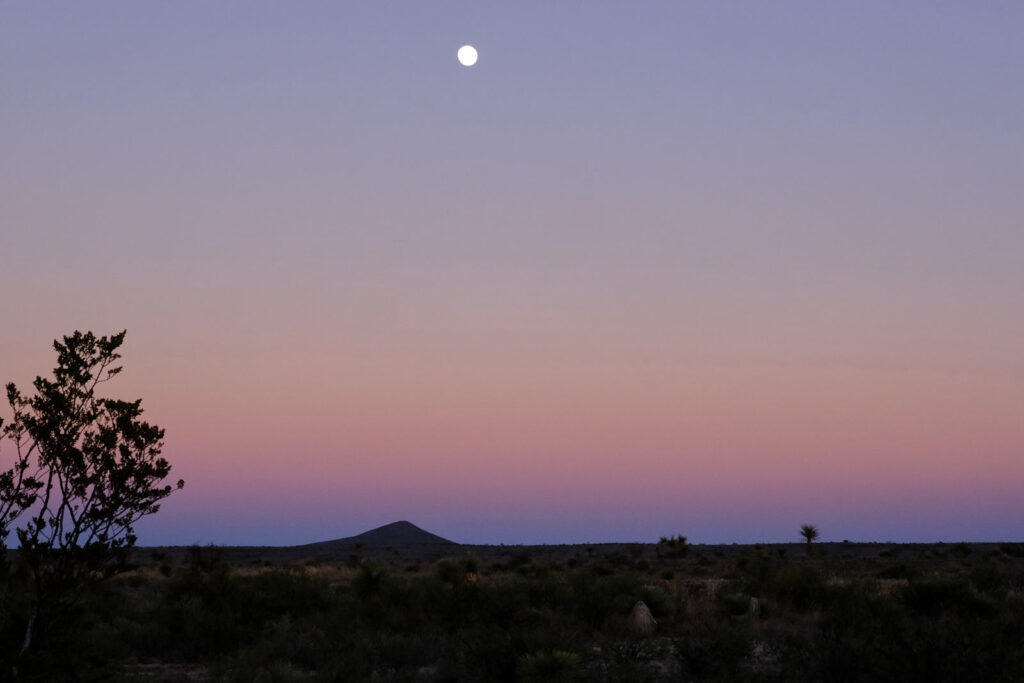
{"x":712,"y":269}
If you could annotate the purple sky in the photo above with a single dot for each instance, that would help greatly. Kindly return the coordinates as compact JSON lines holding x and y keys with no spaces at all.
{"x":646,"y":269}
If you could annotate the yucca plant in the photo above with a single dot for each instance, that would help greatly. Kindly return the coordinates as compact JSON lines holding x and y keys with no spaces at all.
{"x":810,"y":534}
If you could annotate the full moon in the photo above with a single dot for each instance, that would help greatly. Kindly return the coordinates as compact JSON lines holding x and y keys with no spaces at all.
{"x":467,"y":55}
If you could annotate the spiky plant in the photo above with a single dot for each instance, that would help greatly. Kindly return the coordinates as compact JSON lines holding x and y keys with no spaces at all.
{"x":810,"y":534}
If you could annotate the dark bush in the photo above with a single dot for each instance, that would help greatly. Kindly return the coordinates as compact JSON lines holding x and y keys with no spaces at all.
{"x":1012,"y":549}
{"x":899,"y":571}
{"x":733,"y":604}
{"x":802,"y":587}
{"x":961,"y":550}
{"x":934,"y":596}
{"x":712,"y":651}
{"x":555,"y":666}
{"x":207,"y":561}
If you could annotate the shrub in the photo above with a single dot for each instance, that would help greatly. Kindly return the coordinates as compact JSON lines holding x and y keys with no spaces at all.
{"x":733,"y":604}
{"x":657,"y":600}
{"x":555,"y":666}
{"x":803,"y":587}
{"x":934,"y":596}
{"x":961,"y":550}
{"x":988,"y":579}
{"x":458,"y":573}
{"x":712,"y":650}
{"x":899,"y":571}
{"x":1012,"y":549}
{"x":369,"y":580}
{"x":207,"y":561}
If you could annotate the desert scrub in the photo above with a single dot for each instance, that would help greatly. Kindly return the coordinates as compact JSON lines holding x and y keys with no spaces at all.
{"x":555,"y":666}
{"x":821,"y":619}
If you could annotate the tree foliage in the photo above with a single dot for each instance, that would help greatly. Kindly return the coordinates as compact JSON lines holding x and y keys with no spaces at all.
{"x":86,"y":469}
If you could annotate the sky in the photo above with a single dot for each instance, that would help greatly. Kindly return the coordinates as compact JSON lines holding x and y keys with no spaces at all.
{"x":646,"y":269}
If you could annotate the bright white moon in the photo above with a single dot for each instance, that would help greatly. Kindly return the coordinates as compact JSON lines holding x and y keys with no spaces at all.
{"x":467,"y":55}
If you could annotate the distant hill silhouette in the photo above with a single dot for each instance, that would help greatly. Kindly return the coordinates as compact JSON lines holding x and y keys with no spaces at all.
{"x":395,"y":534}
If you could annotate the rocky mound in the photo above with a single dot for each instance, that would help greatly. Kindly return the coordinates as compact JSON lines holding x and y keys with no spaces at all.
{"x":395,"y":534}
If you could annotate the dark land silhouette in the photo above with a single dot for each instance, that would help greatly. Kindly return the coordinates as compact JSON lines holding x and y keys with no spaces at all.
{"x":395,"y":534}
{"x":403,"y":539}
{"x":399,"y":603}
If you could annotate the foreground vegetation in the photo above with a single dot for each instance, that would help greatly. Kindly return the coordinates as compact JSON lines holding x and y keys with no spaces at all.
{"x":843,"y":613}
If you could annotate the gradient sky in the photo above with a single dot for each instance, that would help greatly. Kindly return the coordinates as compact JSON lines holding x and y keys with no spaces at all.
{"x":712,"y":269}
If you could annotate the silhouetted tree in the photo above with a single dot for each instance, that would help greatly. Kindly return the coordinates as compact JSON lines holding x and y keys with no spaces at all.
{"x":86,"y":468}
{"x":810,"y":534}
